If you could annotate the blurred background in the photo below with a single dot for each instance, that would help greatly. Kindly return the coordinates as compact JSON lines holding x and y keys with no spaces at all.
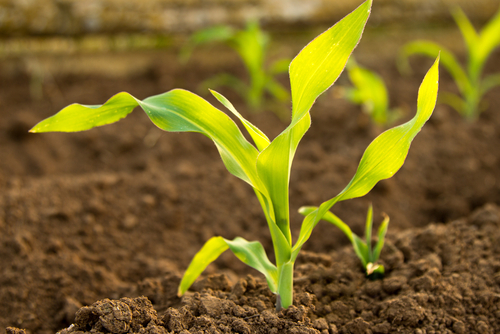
{"x":32,"y":30}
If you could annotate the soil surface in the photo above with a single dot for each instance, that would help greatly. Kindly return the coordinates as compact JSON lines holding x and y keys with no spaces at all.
{"x":97,"y":227}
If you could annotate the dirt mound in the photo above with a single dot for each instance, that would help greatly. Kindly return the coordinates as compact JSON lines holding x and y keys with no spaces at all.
{"x":442,"y":278}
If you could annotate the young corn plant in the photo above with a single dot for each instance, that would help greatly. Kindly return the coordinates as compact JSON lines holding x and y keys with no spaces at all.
{"x":370,"y":92}
{"x":363,"y":249}
{"x":470,"y":82}
{"x":251,"y":44}
{"x":266,"y":166}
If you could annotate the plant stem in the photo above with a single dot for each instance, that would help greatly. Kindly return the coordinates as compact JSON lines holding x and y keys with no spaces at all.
{"x":285,"y":286}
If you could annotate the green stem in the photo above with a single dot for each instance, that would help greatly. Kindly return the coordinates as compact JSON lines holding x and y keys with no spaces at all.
{"x":285,"y":286}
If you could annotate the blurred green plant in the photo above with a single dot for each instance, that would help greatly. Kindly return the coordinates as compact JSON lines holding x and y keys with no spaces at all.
{"x":370,"y":92}
{"x":363,"y":249}
{"x":251,"y":44}
{"x":471,"y":84}
{"x":266,"y":165}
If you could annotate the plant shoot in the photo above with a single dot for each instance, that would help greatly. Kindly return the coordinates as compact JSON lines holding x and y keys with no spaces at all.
{"x":265,"y":165}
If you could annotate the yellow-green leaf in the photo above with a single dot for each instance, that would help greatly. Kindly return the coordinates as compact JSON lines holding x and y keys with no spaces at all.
{"x":383,"y":157}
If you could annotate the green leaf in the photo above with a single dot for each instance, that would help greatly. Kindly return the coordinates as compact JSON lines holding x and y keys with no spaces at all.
{"x":383,"y":157}
{"x":209,"y":35}
{"x":250,"y":253}
{"x":212,"y":249}
{"x":370,"y":91}
{"x":387,"y":153}
{"x":361,"y":250}
{"x":454,"y":101}
{"x":77,"y":117}
{"x":312,"y":71}
{"x":257,"y":135}
{"x":359,"y":246}
{"x":382,"y":230}
{"x":280,"y":66}
{"x":368,"y":232}
{"x":277,"y":90}
{"x":180,"y":110}
{"x":223,"y":80}
{"x":469,"y":34}
{"x":331,"y":218}
{"x":281,"y":245}
{"x":489,"y":39}
{"x":320,"y":63}
{"x":177,"y":111}
{"x":273,"y":167}
{"x":251,"y":45}
{"x":489,"y":82}
{"x":254,"y":255}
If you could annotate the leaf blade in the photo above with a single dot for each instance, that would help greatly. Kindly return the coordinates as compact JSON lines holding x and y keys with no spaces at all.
{"x":182,"y":111}
{"x":210,"y":251}
{"x":370,"y":169}
{"x":78,"y":117}
{"x":327,"y":53}
{"x":254,"y":255}
{"x":382,"y":231}
{"x":259,"y":137}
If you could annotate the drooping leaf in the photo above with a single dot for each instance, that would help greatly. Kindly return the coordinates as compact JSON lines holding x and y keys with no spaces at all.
{"x":177,"y":111}
{"x":254,"y":255}
{"x":331,"y":218}
{"x":210,"y":251}
{"x":383,"y":157}
{"x":78,"y":117}
{"x":250,"y":253}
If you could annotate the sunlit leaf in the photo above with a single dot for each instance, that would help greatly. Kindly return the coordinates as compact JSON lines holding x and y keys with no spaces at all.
{"x":78,"y":117}
{"x":320,"y":63}
{"x":312,"y":71}
{"x":210,"y":251}
{"x":383,"y":157}
{"x":254,"y":255}
{"x":382,"y":230}
{"x":257,"y":135}
{"x":177,"y":111}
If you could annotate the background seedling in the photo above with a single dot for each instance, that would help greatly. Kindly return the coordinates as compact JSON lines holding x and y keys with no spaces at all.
{"x":251,"y":44}
{"x":370,"y":92}
{"x":363,"y":249}
{"x":471,"y":85}
{"x":266,"y":166}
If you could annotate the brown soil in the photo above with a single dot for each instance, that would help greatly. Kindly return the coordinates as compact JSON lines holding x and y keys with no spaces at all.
{"x":118,"y":212}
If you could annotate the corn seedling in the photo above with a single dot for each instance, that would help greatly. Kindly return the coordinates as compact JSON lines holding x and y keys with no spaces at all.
{"x":363,"y":249}
{"x":471,"y":84}
{"x":370,"y":92}
{"x":266,"y":166}
{"x":251,"y":44}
